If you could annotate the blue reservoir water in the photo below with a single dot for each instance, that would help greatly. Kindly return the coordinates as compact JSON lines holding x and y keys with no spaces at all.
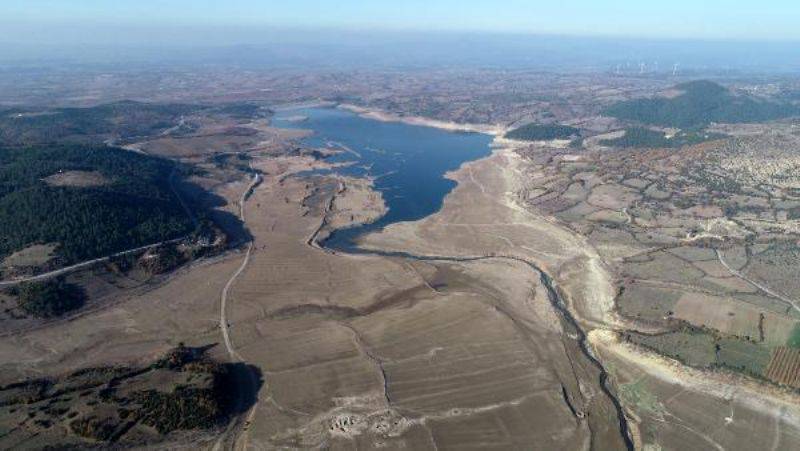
{"x":408,"y":162}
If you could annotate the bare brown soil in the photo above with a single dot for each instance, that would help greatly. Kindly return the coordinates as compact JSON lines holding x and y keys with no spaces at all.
{"x":31,"y":256}
{"x":81,"y":179}
{"x":352,"y":342}
{"x":784,"y":366}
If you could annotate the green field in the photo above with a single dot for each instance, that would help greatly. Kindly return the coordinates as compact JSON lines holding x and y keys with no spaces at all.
{"x":794,"y":338}
{"x":703,"y":349}
{"x":690,"y":346}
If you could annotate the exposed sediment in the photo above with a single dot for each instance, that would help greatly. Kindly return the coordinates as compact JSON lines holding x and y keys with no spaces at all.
{"x":571,"y":328}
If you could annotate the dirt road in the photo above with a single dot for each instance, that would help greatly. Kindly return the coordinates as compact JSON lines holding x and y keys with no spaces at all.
{"x":247,"y":380}
{"x":752,"y":282}
{"x":223,"y":321}
{"x":86,"y":264}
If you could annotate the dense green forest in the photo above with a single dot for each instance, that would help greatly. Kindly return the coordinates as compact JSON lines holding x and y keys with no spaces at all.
{"x":82,"y":125}
{"x":50,"y":298}
{"x":646,"y":138}
{"x":541,"y":132}
{"x":701,"y":103}
{"x":638,"y":137}
{"x":241,"y":110}
{"x":136,"y":206}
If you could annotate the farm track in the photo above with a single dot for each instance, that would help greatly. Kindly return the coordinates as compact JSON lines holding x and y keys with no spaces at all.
{"x":86,"y":264}
{"x":765,"y":289}
{"x":245,"y":376}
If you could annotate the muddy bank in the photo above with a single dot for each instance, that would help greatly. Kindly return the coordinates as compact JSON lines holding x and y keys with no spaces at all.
{"x":383,"y":116}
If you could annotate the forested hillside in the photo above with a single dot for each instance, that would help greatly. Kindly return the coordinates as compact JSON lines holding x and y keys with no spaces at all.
{"x":95,"y":124}
{"x":88,"y":124}
{"x":699,"y":104}
{"x":643,"y":137}
{"x":133,"y":205}
{"x":541,"y":132}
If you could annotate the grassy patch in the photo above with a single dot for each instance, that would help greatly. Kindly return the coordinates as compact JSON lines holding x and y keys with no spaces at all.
{"x":794,"y":338}
{"x":690,"y":346}
{"x":703,"y":348}
{"x":646,"y":303}
{"x":741,"y":355}
{"x":637,"y":394}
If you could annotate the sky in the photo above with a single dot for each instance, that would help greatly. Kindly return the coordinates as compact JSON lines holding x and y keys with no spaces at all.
{"x":55,"y":20}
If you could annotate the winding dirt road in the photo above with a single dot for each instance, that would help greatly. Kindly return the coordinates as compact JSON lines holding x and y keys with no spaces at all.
{"x":223,"y":320}
{"x":752,"y":282}
{"x":247,"y":380}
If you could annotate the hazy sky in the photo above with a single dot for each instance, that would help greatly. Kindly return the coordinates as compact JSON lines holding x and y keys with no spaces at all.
{"x":736,"y":19}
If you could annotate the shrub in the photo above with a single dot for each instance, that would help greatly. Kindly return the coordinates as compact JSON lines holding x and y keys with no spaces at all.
{"x":51,"y":298}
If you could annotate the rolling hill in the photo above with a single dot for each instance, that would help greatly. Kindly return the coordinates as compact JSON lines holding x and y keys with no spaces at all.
{"x":699,"y":104}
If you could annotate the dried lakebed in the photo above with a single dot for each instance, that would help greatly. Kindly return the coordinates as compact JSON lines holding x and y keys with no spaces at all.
{"x":408,"y":165}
